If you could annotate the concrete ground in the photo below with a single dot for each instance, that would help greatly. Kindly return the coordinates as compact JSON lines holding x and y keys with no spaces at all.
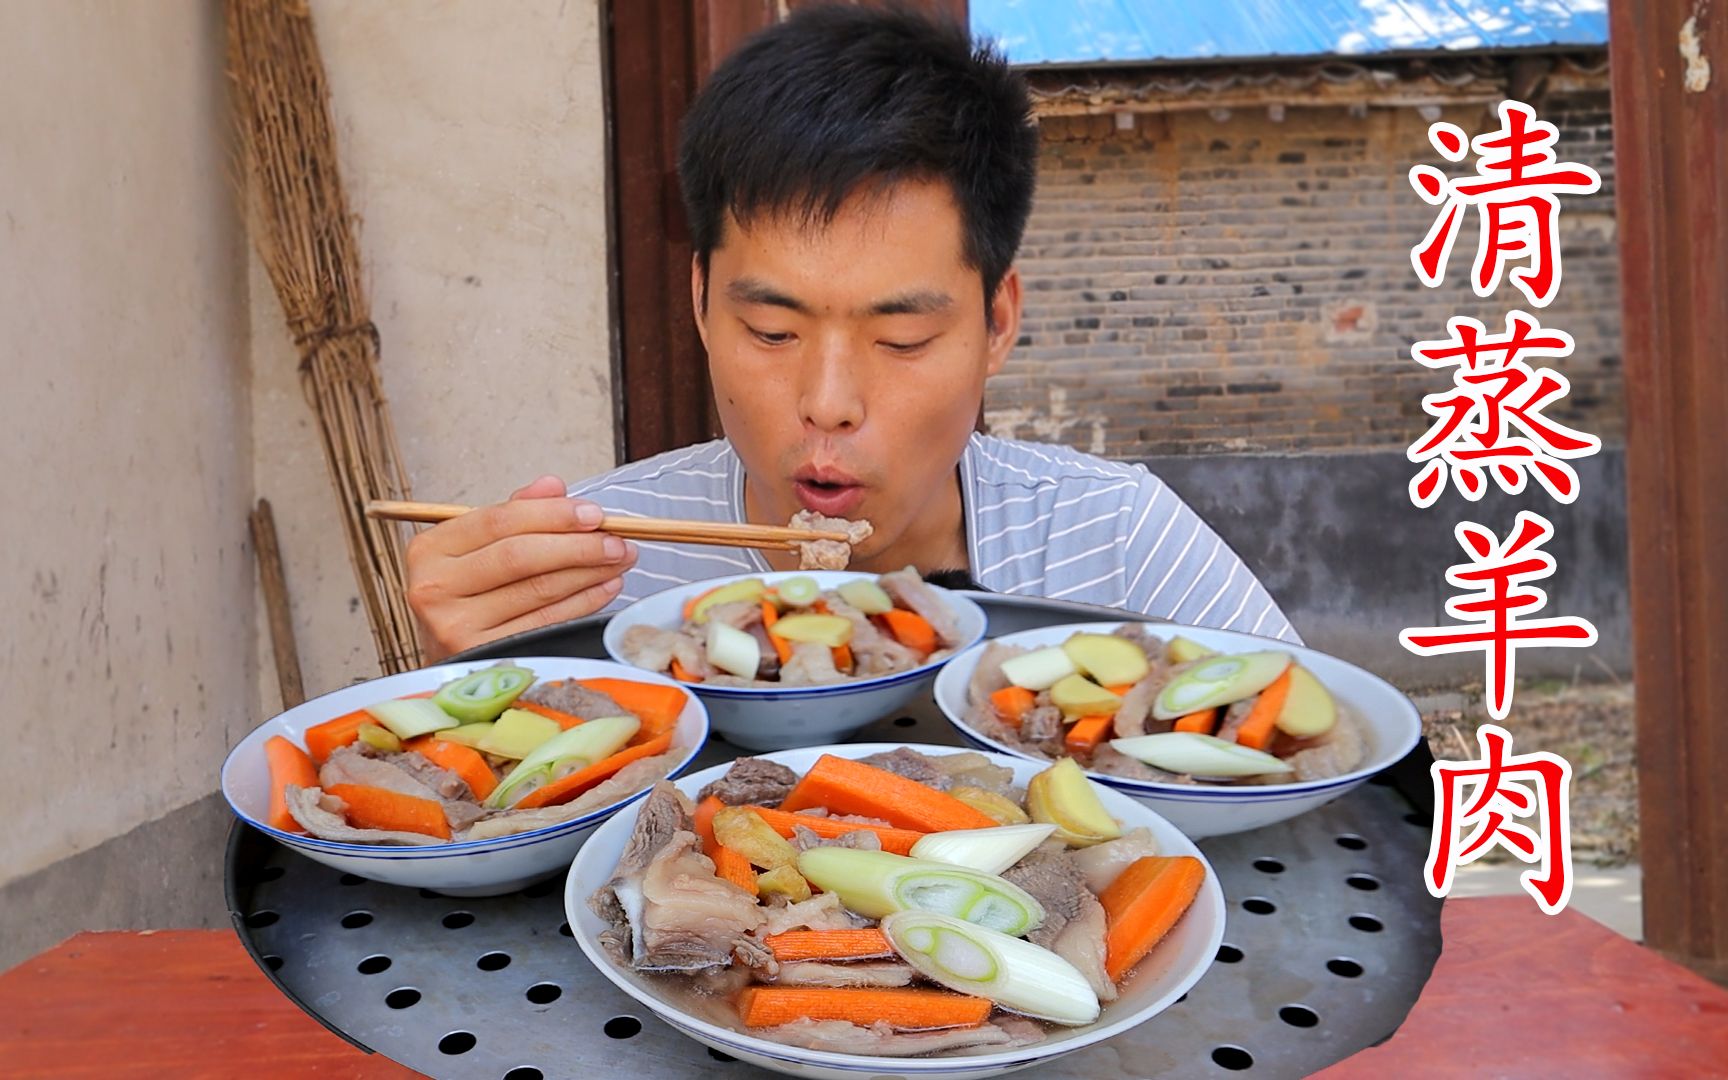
{"x":1611,"y":896}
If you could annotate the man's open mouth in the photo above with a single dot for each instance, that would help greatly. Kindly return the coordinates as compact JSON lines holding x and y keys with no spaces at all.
{"x":828,"y":491}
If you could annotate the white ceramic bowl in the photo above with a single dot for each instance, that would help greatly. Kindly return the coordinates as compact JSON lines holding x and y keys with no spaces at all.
{"x":1392,"y":728}
{"x":1167,"y":973}
{"x":470,"y":868}
{"x":772,"y":717}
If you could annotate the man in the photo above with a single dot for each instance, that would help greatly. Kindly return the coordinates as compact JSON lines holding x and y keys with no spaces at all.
{"x":857,"y":183}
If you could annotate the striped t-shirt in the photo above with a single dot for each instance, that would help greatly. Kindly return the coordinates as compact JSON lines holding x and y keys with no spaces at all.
{"x":1041,"y":520}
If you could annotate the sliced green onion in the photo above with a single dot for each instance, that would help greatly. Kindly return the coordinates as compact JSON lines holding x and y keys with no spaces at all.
{"x":798,"y":591}
{"x":410,"y":717}
{"x":581,"y":745}
{"x":732,"y":650}
{"x":1039,"y":669}
{"x":1015,"y":974}
{"x":1199,"y":755}
{"x":482,"y":695}
{"x":866,"y":596}
{"x":878,"y":883}
{"x":988,"y":851}
{"x":1218,"y":680}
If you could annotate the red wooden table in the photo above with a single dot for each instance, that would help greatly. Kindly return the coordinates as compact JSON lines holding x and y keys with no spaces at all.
{"x":1516,"y":993}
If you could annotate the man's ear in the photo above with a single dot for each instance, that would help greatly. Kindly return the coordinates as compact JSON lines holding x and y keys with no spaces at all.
{"x":699,"y":297}
{"x":1004,"y":321}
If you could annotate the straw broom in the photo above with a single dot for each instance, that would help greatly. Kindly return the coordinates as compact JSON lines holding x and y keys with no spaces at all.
{"x":304,"y":233}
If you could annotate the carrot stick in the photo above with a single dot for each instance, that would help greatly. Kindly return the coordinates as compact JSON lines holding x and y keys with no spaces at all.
{"x":843,"y":659}
{"x":912,"y":1010}
{"x":705,"y":811}
{"x":325,"y":739}
{"x":566,"y":788}
{"x":898,"y":841}
{"x":1205,"y":722}
{"x":828,"y":945}
{"x":288,"y":765}
{"x":379,"y":808}
{"x":845,"y":786}
{"x":1012,"y":703}
{"x":729,"y":865}
{"x":690,"y":604}
{"x":1121,"y":689}
{"x":1143,"y":903}
{"x":562,"y":719}
{"x":657,"y":706}
{"x":464,"y":761}
{"x":1087,"y":733}
{"x":770,"y":616}
{"x":682,"y":673}
{"x":911,"y":629}
{"x":1257,"y":727}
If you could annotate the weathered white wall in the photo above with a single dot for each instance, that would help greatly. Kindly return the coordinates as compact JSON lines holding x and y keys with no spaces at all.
{"x":126,"y":583}
{"x":473,"y":147}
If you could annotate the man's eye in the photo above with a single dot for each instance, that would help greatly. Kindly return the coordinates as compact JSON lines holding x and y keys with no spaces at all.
{"x":906,"y":347}
{"x":770,"y":338}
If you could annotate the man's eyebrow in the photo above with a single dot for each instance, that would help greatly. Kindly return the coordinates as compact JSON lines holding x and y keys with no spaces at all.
{"x":748,"y":290}
{"x":916,"y":302}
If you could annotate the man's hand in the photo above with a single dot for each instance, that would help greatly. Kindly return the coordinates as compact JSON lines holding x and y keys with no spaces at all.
{"x":515,"y":566}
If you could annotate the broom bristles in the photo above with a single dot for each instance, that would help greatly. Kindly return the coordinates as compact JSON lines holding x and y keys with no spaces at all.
{"x":305,"y":237}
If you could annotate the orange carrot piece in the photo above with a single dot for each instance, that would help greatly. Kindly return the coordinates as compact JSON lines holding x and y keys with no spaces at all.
{"x":1143,"y":903}
{"x":566,"y":788}
{"x":898,"y":841}
{"x":1205,"y":722}
{"x":906,"y":1009}
{"x":845,"y":786}
{"x":288,"y":765}
{"x":379,"y":808}
{"x":1012,"y":703}
{"x":657,"y":706}
{"x":464,"y":761}
{"x":682,"y":673}
{"x":770,"y":616}
{"x":1120,"y":689}
{"x":843,"y":659}
{"x":1258,"y":726}
{"x":690,"y":604}
{"x":793,"y":945}
{"x":911,"y":629}
{"x":705,"y":811}
{"x":1086,"y":733}
{"x":325,"y":739}
{"x":562,"y":719}
{"x":731,"y":866}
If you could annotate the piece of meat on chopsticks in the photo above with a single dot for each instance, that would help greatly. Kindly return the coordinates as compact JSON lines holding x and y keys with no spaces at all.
{"x":828,"y":554}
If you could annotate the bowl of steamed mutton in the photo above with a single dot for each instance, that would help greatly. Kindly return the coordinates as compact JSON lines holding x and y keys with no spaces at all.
{"x":470,"y":779}
{"x":797,"y":658}
{"x":876,"y":909}
{"x":1218,"y":731}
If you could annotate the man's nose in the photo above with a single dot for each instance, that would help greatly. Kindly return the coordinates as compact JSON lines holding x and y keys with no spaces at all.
{"x":830,"y":398}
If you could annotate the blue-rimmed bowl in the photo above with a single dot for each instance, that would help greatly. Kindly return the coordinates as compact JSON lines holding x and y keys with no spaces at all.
{"x":471,"y":868}
{"x":775,"y":717}
{"x":1391,"y":727}
{"x":1156,"y":983}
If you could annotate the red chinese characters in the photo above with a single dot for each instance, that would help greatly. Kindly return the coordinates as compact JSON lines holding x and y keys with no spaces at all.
{"x":1491,"y":619}
{"x":1516,"y":193}
{"x":1505,"y":787}
{"x":1490,"y":424}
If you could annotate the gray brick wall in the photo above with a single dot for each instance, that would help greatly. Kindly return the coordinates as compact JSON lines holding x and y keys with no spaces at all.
{"x":1203,"y":286}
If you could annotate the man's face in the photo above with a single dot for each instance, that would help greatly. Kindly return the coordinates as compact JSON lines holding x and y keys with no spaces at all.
{"x":849,"y":361}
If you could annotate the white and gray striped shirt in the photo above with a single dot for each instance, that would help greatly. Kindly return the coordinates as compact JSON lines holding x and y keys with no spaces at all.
{"x":1041,"y":520}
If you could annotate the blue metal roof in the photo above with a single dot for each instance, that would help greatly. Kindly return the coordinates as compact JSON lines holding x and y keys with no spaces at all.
{"x":1037,"y":32}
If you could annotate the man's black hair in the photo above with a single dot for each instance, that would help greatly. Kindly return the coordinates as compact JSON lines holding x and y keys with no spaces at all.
{"x":839,"y":99}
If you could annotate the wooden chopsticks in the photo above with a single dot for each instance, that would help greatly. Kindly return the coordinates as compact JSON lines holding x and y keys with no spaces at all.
{"x":718,"y":533}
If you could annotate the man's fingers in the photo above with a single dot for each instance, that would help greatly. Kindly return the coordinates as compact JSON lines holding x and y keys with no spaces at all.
{"x":519,"y":598}
{"x":516,"y":559}
{"x":586,"y":602}
{"x":490,"y":524}
{"x":546,"y":487}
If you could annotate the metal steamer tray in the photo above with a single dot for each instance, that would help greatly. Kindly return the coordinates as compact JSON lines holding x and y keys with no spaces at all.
{"x":1330,"y":936}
